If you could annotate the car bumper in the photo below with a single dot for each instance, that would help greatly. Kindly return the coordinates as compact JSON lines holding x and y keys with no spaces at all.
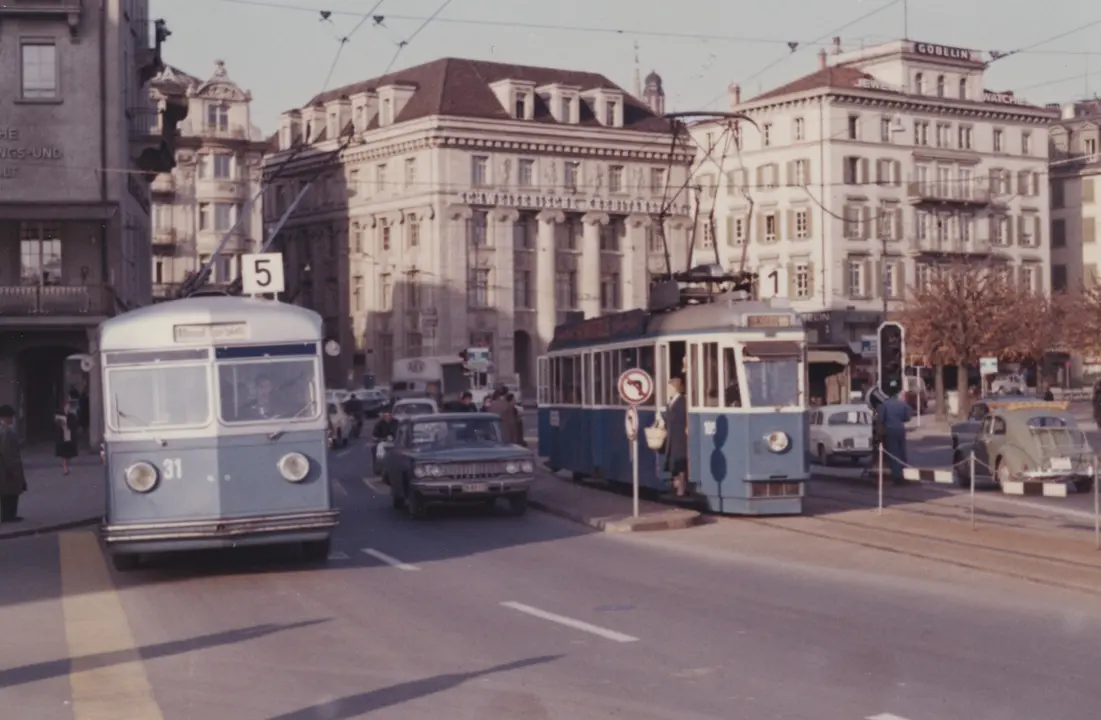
{"x":288,"y":527}
{"x":1055,"y":476}
{"x":459,"y":491}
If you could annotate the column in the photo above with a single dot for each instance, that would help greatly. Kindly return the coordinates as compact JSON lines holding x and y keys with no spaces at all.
{"x":503,"y":279}
{"x":546,"y":252}
{"x":453,"y":250}
{"x":588,"y":280}
{"x":635,"y":257}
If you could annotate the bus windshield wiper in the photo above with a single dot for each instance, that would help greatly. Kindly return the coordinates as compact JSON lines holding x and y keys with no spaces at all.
{"x":276,"y":434}
{"x":141,"y":423}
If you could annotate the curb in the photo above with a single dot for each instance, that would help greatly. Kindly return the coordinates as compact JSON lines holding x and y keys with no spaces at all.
{"x":45,"y":529}
{"x":669,"y":520}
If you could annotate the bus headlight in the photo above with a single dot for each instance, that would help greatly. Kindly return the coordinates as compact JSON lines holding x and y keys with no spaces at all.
{"x":423,"y":471}
{"x":141,"y":477}
{"x":294,"y":467}
{"x":778,"y":441}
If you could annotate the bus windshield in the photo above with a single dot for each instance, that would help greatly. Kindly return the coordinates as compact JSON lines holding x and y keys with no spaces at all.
{"x":772,"y":372}
{"x":260,"y":390}
{"x":158,"y":396}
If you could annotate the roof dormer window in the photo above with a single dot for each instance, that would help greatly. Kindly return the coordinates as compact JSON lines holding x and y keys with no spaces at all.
{"x":387,"y":116}
{"x":520,"y":105}
{"x":567,"y":110}
{"x":610,"y":113}
{"x":334,"y":122}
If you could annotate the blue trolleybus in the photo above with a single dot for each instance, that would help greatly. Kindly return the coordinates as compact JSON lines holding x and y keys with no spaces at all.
{"x":214,"y":428}
{"x":743,"y":363}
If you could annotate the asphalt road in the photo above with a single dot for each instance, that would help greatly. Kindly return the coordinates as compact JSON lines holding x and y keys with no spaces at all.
{"x":469,"y":616}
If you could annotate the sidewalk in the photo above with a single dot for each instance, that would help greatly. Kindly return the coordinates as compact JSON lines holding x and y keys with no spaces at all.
{"x":603,"y":509}
{"x":54,"y":501}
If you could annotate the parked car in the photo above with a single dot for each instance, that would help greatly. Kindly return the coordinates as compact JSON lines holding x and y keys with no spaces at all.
{"x":1023,"y":440}
{"x":841,"y":431}
{"x":410,"y":407}
{"x":341,"y":425}
{"x":456,"y":458}
{"x":373,"y":400}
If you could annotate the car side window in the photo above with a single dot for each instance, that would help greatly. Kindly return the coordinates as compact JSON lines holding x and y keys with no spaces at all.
{"x":978,"y":412}
{"x":998,"y":426}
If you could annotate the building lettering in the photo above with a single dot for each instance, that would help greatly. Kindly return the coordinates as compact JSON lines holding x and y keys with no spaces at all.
{"x":872,"y":84}
{"x":14,"y":153}
{"x":1002,"y":98}
{"x":944,"y":52}
{"x":523,"y":201}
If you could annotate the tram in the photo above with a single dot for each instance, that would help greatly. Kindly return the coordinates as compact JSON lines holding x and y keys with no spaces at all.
{"x":743,"y":362}
{"x":214,"y":428}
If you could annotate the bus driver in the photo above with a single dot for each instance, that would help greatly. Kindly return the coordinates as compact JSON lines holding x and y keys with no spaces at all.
{"x":262,"y":406}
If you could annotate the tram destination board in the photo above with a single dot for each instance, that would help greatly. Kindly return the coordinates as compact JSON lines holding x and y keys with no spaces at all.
{"x":768,"y":321}
{"x":607,"y":328}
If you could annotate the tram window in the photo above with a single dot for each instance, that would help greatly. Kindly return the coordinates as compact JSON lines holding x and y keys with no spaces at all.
{"x":576,"y":393}
{"x":598,"y":378}
{"x":732,"y":392}
{"x":646,"y":362}
{"x":615,"y":369}
{"x":159,"y":397}
{"x":267,"y":389}
{"x":711,"y":374}
{"x":565,"y":381}
{"x":772,"y":375}
{"x":586,"y":380}
{"x":694,"y":375}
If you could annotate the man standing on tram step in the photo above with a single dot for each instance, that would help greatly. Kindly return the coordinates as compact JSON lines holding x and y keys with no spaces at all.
{"x":510,"y":419}
{"x":893,"y":414}
{"x":13,"y":480}
{"x":676,"y":439}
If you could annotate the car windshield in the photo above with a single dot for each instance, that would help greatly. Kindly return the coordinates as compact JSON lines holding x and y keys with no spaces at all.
{"x":852,"y":417}
{"x":454,"y":433}
{"x":773,"y":380}
{"x":158,"y":396}
{"x":414,"y":409}
{"x":260,"y":390}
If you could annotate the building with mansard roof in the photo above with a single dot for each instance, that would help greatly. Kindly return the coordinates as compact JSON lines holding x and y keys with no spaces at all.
{"x":868,"y":173}
{"x":477,"y":204}
{"x":219,"y":156}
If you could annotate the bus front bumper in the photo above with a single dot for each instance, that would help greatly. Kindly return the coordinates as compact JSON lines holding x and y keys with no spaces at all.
{"x":286,"y":527}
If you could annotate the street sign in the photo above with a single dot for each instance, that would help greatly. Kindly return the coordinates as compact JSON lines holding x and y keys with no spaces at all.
{"x":635,"y":386}
{"x":630,"y":422}
{"x":988,"y":366}
{"x":262,"y":273}
{"x":869,"y":346}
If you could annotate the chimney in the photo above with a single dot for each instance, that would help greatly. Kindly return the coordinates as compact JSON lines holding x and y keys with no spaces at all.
{"x":735,"y":91}
{"x":837,"y":45}
{"x":822,"y":59}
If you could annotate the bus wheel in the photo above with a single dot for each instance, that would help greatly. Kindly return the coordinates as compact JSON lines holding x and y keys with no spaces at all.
{"x":126,"y":562}
{"x":317,"y":551}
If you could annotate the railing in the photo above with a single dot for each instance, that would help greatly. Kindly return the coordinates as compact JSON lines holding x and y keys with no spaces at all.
{"x":144,"y":121}
{"x":53,"y":300}
{"x":954,"y":246}
{"x":196,"y":128}
{"x":164,"y":236}
{"x":950,"y":191}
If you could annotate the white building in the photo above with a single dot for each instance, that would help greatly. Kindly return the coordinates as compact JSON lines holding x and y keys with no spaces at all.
{"x":479,"y":203}
{"x":219,"y":153}
{"x":870,"y":171}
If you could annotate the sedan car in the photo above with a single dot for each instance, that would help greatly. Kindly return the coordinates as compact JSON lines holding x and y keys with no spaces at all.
{"x":456,"y":458}
{"x":411,"y":407}
{"x":1023,"y":441}
{"x":841,"y":431}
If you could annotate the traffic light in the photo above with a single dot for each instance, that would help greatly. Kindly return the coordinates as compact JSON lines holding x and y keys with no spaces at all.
{"x":891,"y":348}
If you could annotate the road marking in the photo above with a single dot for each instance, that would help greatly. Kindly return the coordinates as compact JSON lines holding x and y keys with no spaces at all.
{"x":376,"y":485}
{"x":391,"y":561}
{"x":884,"y":716}
{"x":339,"y":488}
{"x":107,"y":675}
{"x":338,"y":555}
{"x":570,"y":622}
{"x":342,"y":453}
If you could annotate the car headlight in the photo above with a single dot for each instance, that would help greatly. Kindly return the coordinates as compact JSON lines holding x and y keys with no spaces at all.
{"x":294,"y":467}
{"x":526,"y":466}
{"x":778,"y":441}
{"x":141,"y":477}
{"x":512,"y":468}
{"x":427,"y":471}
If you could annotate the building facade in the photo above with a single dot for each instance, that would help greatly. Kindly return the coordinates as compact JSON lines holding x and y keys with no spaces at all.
{"x":79,"y":140}
{"x":476,"y":205}
{"x":219,"y":156}
{"x":867,"y":174}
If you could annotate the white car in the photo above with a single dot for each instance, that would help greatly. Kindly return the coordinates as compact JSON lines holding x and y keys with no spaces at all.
{"x":408,"y":407}
{"x":341,"y":425}
{"x":841,"y":431}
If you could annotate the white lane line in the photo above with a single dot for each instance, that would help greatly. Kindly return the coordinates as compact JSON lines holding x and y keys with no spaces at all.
{"x":337,"y":555}
{"x":342,"y":453}
{"x":391,"y":561}
{"x":884,"y":716}
{"x":339,"y":489}
{"x":570,"y":622}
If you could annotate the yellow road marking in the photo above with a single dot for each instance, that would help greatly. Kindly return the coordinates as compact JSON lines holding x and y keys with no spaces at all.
{"x":108,"y":677}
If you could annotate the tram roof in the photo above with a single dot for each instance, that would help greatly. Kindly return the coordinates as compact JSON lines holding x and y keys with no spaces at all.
{"x":154,"y":326}
{"x":727,"y":312}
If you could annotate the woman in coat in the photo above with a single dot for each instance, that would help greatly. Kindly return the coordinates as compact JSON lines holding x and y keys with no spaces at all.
{"x":67,"y":424}
{"x":676,"y":439}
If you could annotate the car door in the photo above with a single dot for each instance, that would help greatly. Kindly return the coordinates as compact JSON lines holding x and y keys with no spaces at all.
{"x":981,"y":444}
{"x":965,"y":432}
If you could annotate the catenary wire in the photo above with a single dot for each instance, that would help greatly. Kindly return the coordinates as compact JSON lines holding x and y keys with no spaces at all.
{"x":404,"y":43}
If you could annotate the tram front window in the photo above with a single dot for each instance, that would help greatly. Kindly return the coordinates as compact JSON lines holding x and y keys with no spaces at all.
{"x":159,"y":396}
{"x":263,"y":390}
{"x":772,"y":373}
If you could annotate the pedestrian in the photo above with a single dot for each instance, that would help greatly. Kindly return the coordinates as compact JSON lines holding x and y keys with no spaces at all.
{"x":67,"y":424}
{"x":511,"y":400}
{"x":893,"y":414}
{"x":509,"y":417}
{"x":13,"y":480}
{"x":1048,"y":394}
{"x":676,"y":439}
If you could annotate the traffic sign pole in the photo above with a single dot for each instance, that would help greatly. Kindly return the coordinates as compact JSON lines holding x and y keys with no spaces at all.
{"x":636,"y":386}
{"x":634,"y":468}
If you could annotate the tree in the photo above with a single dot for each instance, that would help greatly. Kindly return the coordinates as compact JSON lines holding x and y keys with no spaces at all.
{"x":1083,"y":326}
{"x":964,"y":312}
{"x":1041,"y":323}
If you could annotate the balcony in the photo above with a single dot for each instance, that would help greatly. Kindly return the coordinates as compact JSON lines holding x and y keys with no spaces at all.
{"x":222,"y":189}
{"x":952,"y":193}
{"x":198,"y":129}
{"x":164,"y":241}
{"x":948,"y":247}
{"x":164,"y":184}
{"x":54,"y":301}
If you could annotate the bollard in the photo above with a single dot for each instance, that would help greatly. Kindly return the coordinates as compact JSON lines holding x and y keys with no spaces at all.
{"x":971,"y":465}
{"x":880,"y":511}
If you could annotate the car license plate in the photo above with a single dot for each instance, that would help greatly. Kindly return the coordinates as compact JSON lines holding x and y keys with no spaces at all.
{"x":1061,"y":464}
{"x":476,"y":488}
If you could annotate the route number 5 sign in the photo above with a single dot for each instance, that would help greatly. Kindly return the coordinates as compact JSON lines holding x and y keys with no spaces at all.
{"x":262,"y":273}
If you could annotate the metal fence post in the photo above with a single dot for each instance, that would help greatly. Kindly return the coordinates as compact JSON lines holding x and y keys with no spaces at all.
{"x":971,"y":466}
{"x":880,"y":511}
{"x":1096,"y":508}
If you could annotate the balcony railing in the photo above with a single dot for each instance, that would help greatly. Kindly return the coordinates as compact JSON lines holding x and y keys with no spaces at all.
{"x":54,"y":300}
{"x":951,"y":246}
{"x":164,"y":238}
{"x":195,"y":128}
{"x":951,"y":191}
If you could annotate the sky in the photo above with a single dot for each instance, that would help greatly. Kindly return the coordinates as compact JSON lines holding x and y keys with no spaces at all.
{"x":283,"y":52}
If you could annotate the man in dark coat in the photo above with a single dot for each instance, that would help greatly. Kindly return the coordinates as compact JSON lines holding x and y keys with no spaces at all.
{"x":676,"y":440}
{"x":13,"y":481}
{"x":510,"y":419}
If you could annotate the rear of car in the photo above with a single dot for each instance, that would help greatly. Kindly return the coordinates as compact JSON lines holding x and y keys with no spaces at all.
{"x":841,"y":432}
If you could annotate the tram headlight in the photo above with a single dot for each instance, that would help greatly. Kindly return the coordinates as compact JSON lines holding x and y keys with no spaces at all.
{"x":294,"y":467}
{"x":778,"y":441}
{"x":423,"y":471}
{"x":141,"y":477}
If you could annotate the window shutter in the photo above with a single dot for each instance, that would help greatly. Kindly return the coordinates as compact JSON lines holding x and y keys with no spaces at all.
{"x":865,"y":221}
{"x":760,"y":175}
{"x":790,"y":270}
{"x":1035,"y":183}
{"x":1037,"y":230}
{"x":869,"y":283}
{"x":1089,"y":229}
{"x":1087,"y":190}
{"x":864,"y":172}
{"x":1009,"y":230}
{"x":1021,"y":230}
{"x":810,"y":278}
{"x":1022,"y":182}
{"x":879,"y":223}
{"x":730,"y":230}
{"x":806,"y":171}
{"x":789,"y":168}
{"x":790,"y":224}
{"x":896,"y":174}
{"x":877,"y":279}
{"x":761,"y":228}
{"x":898,"y":224}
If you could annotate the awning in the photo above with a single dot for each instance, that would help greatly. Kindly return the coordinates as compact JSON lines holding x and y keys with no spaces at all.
{"x":773,"y":349}
{"x":837,"y":357}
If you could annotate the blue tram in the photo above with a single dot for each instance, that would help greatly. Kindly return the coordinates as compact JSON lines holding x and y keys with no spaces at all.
{"x":743,"y":363}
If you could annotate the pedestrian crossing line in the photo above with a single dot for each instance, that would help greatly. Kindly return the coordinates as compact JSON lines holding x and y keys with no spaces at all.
{"x":107,"y":674}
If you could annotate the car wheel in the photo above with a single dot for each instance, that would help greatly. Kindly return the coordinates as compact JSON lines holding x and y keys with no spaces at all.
{"x":823,"y":458}
{"x":317,"y":551}
{"x":414,"y":504}
{"x":518,"y":505}
{"x":1083,"y":486}
{"x":126,"y":562}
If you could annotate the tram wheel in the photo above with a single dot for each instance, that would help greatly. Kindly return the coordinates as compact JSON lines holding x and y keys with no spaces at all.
{"x":126,"y":562}
{"x":317,"y":551}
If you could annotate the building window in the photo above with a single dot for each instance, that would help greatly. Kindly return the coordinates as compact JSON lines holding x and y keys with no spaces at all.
{"x":657,"y":180}
{"x":655,"y":242}
{"x":886,"y":220}
{"x":802,"y":173}
{"x":384,"y":235}
{"x":40,"y":253}
{"x":223,"y":216}
{"x":521,"y":106}
{"x":921,"y":133}
{"x":479,"y":171}
{"x":573,"y":233}
{"x":855,"y":279}
{"x":223,"y":166}
{"x":852,"y":170}
{"x":380,"y":178}
{"x":798,"y":129}
{"x":1057,"y":197}
{"x":963,"y":88}
{"x":1091,"y":146}
{"x":1026,"y":143}
{"x":1058,"y":278}
{"x":944,"y":135}
{"x":854,"y":127}
{"x":609,"y":291}
{"x":204,"y":216}
{"x":524,"y":231}
{"x":217,"y":117}
{"x":766,"y":134}
{"x":478,"y":236}
{"x":357,"y":238}
{"x":565,"y":290}
{"x":999,"y":140}
{"x":412,"y":292}
{"x":1028,"y":278}
{"x":39,"y":71}
{"x":525,"y":176}
{"x":851,"y":222}
{"x":521,"y":286}
{"x":569,"y":176}
{"x":965,"y":136}
{"x":615,"y":178}
{"x":410,"y":173}
{"x":707,"y":235}
{"x":772,"y":229}
{"x":919,"y":84}
{"x":885,"y":129}
{"x":940,"y":86}
{"x":609,"y":114}
{"x":387,"y":112}
{"x":802,"y":224}
{"x":802,"y":280}
{"x":610,"y":234}
{"x":1058,"y":233}
{"x":890,"y":280}
{"x":414,"y":226}
{"x":736,"y":231}
{"x":386,"y":292}
{"x":357,"y":293}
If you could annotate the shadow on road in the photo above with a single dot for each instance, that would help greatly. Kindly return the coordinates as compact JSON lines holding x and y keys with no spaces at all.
{"x":353,"y":706}
{"x":59,"y":668}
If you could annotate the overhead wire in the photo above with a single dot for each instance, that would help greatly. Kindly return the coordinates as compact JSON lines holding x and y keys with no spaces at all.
{"x":344,"y":40}
{"x":404,"y":43}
